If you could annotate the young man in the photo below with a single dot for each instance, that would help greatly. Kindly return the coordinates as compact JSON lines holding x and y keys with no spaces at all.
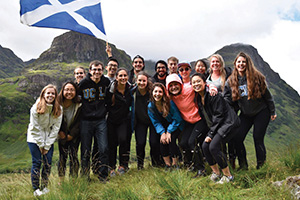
{"x":173,"y":65}
{"x":111,"y":68}
{"x":161,"y":72}
{"x":138,"y":65}
{"x":93,"y":123}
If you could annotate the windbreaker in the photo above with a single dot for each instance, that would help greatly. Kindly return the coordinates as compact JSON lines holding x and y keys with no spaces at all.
{"x":43,"y":128}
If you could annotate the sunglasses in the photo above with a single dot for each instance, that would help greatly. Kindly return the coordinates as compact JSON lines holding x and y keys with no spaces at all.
{"x":184,"y":69}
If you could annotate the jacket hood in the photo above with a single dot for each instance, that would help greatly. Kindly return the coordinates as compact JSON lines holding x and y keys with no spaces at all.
{"x":173,"y":78}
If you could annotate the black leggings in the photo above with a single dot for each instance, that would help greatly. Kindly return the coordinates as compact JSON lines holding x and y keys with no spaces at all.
{"x":171,"y":148}
{"x":213,"y":150}
{"x":141,"y":131}
{"x":70,"y":148}
{"x":260,"y":122}
{"x":118,"y":136}
{"x":191,"y":135}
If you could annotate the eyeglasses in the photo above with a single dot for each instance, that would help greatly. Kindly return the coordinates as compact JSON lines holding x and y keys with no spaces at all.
{"x":79,"y":73}
{"x":184,"y":69}
{"x":96,"y":69}
{"x":161,"y":67}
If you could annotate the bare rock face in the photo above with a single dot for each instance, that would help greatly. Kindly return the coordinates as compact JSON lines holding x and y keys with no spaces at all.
{"x":75,"y":47}
{"x":292,"y":183}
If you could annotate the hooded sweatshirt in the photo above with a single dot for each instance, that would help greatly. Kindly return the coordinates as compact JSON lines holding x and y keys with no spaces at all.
{"x":185,"y":100}
{"x":93,"y":98}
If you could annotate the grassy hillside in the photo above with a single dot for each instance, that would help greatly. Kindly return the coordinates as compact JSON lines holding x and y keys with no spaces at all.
{"x":154,"y":183}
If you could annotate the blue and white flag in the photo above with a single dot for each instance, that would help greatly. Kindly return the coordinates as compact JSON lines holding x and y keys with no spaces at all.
{"x":83,"y":16}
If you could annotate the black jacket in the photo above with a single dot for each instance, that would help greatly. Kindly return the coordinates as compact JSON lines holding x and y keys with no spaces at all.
{"x":222,"y":117}
{"x":249,"y":107}
{"x":73,"y":130}
{"x":121,"y":109}
{"x":93,"y":97}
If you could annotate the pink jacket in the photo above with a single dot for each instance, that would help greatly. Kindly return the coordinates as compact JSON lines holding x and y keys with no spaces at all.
{"x":185,"y":100}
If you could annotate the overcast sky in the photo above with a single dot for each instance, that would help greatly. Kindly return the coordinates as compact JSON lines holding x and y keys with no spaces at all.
{"x":189,"y":30}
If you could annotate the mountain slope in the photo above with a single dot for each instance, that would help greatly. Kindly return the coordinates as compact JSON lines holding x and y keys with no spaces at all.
{"x":10,"y":64}
{"x":286,"y":126}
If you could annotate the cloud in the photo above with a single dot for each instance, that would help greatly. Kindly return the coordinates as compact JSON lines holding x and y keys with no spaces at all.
{"x":189,"y":30}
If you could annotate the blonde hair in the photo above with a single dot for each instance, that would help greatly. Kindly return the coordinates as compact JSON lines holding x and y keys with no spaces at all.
{"x":42,"y":105}
{"x":222,"y":68}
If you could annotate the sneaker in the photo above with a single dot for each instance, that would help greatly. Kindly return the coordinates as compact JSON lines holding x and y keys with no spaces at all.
{"x":225,"y":179}
{"x":37,"y":193}
{"x":121,"y":170}
{"x":215,"y":177}
{"x":112,"y":173}
{"x":45,"y":190}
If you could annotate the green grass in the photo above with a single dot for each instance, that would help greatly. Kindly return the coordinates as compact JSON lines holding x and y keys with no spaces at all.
{"x":155,"y":183}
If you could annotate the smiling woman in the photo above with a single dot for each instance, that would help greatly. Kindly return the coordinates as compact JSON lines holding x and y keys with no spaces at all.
{"x":168,"y":123}
{"x":119,"y":101}
{"x":45,"y":121}
{"x":69,"y":134}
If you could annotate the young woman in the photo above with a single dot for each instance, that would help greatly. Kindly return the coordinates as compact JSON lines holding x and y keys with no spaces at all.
{"x":45,"y":121}
{"x":167,"y":121}
{"x":247,"y":88}
{"x":119,"y":101}
{"x":195,"y":126}
{"x":223,"y":124}
{"x":217,"y":73}
{"x":217,"y":78}
{"x":201,"y":67}
{"x":141,"y":122}
{"x":69,"y":135}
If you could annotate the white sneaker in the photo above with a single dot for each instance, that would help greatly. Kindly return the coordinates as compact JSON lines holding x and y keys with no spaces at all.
{"x":37,"y":193}
{"x":215,"y":177}
{"x":45,"y":190}
{"x":225,"y":179}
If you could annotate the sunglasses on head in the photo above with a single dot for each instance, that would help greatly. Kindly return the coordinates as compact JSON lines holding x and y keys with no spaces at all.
{"x":184,"y":69}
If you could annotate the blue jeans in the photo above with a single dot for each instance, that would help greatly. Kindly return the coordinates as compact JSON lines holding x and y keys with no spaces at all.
{"x":89,"y":130}
{"x":37,"y":160}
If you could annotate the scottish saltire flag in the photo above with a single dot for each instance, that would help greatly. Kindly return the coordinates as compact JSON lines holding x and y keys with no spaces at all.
{"x":83,"y":16}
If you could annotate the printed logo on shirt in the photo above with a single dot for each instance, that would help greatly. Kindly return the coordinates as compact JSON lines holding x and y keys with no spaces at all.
{"x":91,"y":93}
{"x":243,"y":90}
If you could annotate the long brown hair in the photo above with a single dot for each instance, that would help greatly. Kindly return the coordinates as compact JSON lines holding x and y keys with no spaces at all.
{"x":222,"y":68}
{"x":165,"y":99}
{"x":149,"y":82}
{"x":42,"y":105}
{"x":256,"y":81}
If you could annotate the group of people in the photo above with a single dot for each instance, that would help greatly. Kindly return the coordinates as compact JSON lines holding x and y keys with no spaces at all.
{"x":192,"y":118}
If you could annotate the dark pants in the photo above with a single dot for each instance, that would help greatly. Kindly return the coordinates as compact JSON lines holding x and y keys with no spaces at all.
{"x":88,"y":131}
{"x":118,"y":136}
{"x":37,"y":160}
{"x":213,"y":150}
{"x":154,"y":140}
{"x":191,"y":135}
{"x":260,"y":123}
{"x":70,"y":148}
{"x":171,"y":149}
